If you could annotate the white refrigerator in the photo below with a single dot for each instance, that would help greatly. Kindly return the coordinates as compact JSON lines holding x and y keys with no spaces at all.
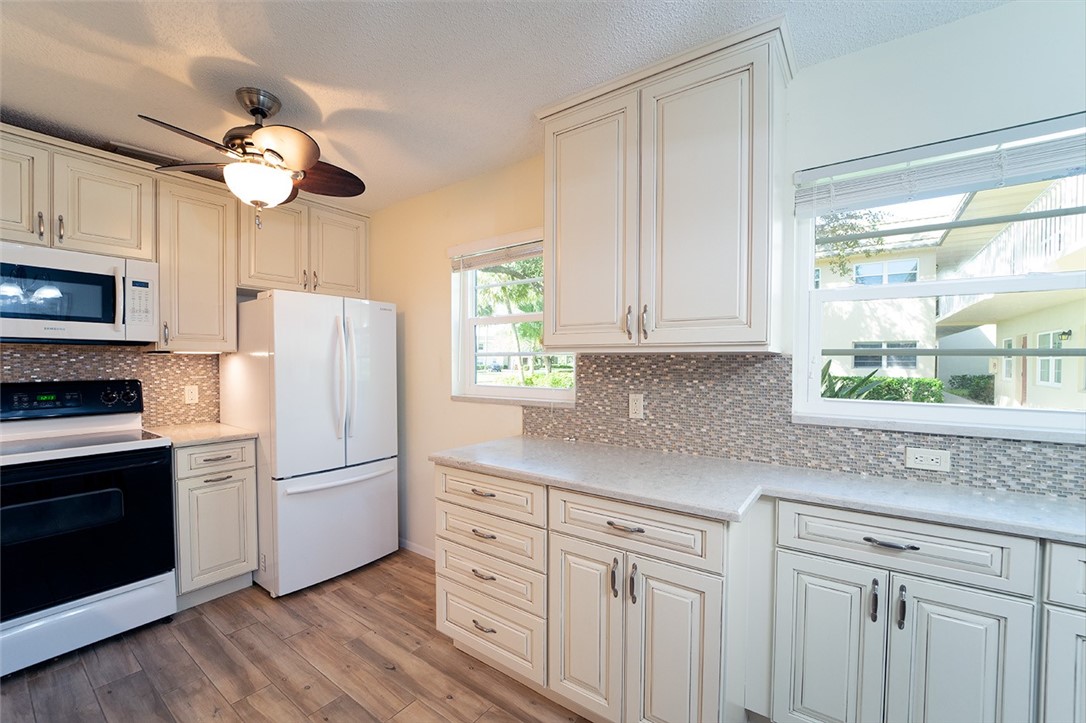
{"x":315,"y":377}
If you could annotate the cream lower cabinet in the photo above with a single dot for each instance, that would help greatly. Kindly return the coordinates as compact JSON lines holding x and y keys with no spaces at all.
{"x":632,"y":638}
{"x":1063,"y":665}
{"x":304,"y":247}
{"x":216,"y":513}
{"x":862,"y":642}
{"x":197,"y":246}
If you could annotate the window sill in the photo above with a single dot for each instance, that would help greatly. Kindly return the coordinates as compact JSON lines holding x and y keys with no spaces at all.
{"x":1061,"y":436}
{"x":517,"y":401}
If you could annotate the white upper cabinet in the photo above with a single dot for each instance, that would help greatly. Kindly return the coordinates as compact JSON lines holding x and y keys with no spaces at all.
{"x":25,"y":216}
{"x":659,"y":210}
{"x":304,"y":247}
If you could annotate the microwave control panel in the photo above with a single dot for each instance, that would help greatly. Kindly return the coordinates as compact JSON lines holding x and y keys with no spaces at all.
{"x":138,"y":309}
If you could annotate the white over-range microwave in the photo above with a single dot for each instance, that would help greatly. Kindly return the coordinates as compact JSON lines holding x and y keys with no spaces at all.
{"x":54,"y":295}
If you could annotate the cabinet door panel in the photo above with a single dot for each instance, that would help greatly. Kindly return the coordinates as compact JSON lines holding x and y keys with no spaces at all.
{"x":703,"y":264}
{"x":216,"y":528}
{"x":106,"y":210}
{"x":338,"y":249}
{"x":673,"y":643}
{"x":24,"y":193}
{"x":584,"y":656}
{"x":961,"y":655}
{"x":275,"y":255}
{"x":829,"y":654}
{"x":1064,"y":681}
{"x":590,"y":230}
{"x":197,"y":241}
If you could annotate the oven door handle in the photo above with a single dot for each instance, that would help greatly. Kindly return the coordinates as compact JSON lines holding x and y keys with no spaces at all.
{"x":118,"y":283}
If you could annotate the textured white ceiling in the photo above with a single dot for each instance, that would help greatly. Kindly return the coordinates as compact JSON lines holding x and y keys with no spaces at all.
{"x":410,"y":95}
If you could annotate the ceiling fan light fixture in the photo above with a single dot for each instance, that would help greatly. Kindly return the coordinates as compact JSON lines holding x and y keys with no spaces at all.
{"x":258,"y":184}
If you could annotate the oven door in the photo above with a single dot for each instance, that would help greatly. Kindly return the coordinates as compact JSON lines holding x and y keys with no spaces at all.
{"x":56,"y":294}
{"x":79,"y":526}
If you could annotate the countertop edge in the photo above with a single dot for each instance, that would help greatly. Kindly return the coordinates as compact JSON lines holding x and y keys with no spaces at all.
{"x":192,"y":435}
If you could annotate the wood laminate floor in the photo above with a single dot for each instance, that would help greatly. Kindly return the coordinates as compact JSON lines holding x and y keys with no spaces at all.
{"x":361,"y":647}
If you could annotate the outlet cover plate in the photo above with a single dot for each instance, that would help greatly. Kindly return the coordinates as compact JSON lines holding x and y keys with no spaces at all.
{"x":192,"y":394}
{"x":637,"y":406}
{"x":937,"y":460}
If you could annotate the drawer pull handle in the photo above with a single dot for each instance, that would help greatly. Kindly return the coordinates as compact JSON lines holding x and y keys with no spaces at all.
{"x":901,"y":608}
{"x":614,"y":577}
{"x":220,"y":458}
{"x":218,"y":479}
{"x":874,"y":600}
{"x":633,"y":578}
{"x":489,"y":631}
{"x":480,"y":493}
{"x":484,"y":535}
{"x":481,"y":576}
{"x":890,"y":545}
{"x":624,"y":528}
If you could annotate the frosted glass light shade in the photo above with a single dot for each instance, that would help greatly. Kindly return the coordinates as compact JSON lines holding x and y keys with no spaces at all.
{"x":258,"y":184}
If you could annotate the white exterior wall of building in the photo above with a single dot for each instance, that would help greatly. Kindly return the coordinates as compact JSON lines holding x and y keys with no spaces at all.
{"x":1070,"y":393}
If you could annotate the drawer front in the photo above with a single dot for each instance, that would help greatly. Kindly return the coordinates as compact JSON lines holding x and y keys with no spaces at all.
{"x":504,"y":581}
{"x":504,"y":539}
{"x":519,"y":501}
{"x":670,"y":536}
{"x":1066,"y":575}
{"x":996,"y":561}
{"x":205,"y":458}
{"x":510,"y":638}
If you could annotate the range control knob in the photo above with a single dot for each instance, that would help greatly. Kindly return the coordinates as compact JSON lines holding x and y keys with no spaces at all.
{"x":128,"y":396}
{"x":110,"y":397}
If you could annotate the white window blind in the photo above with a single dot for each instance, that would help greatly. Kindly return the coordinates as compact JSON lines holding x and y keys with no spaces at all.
{"x":991,"y":167}
{"x":497,"y":256}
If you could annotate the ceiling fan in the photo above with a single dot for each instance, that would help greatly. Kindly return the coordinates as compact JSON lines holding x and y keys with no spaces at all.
{"x":268,"y":164}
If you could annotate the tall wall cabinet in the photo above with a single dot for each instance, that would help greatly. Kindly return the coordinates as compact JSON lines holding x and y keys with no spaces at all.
{"x":661,"y":195}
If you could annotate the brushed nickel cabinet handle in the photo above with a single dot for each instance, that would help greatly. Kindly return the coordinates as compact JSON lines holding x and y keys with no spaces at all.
{"x":484,"y":535}
{"x":614,"y":577}
{"x":165,"y":333}
{"x":218,"y":479}
{"x":220,"y":458}
{"x":626,"y":326}
{"x":316,"y":281}
{"x":305,"y":279}
{"x":624,"y":528}
{"x":645,"y":322}
{"x":481,"y":576}
{"x":633,"y":583}
{"x":60,"y":229}
{"x":901,"y":608}
{"x":874,"y":600}
{"x":480,"y":627}
{"x":480,"y":493}
{"x":890,"y":545}
{"x":41,"y":226}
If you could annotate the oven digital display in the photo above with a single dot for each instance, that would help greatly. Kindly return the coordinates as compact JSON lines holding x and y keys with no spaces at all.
{"x":46,"y":397}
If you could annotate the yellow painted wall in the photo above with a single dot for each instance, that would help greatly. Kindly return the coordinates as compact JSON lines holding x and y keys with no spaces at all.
{"x":1071,"y":392}
{"x":410,"y":267}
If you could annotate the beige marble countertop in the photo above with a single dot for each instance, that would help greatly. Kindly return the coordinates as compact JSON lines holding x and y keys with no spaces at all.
{"x":188,"y":435}
{"x":725,"y":489}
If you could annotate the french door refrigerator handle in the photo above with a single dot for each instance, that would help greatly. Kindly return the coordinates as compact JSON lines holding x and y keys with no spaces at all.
{"x":352,"y":381}
{"x":341,"y":360}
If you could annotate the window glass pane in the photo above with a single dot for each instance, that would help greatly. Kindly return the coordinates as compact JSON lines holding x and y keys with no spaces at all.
{"x":539,"y":370}
{"x":496,"y":338}
{"x":512,"y":288}
{"x":1000,"y":348}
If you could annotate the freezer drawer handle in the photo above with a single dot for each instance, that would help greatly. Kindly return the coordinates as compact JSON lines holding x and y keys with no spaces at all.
{"x":218,"y":479}
{"x":220,"y":458}
{"x":624,"y":528}
{"x":890,"y":545}
{"x":481,"y":576}
{"x":480,"y":493}
{"x":342,"y":483}
{"x":480,"y":627}
{"x":484,"y":535}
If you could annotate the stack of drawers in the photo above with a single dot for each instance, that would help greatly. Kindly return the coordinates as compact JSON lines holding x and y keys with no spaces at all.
{"x":491,"y":567}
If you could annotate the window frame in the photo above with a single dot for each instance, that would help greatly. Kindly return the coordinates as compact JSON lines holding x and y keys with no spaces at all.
{"x":464,"y":350}
{"x":885,"y":272}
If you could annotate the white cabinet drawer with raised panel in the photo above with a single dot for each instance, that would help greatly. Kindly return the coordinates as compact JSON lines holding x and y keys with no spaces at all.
{"x":985,"y":559}
{"x":504,"y":581}
{"x":511,"y":638}
{"x":678,"y":538}
{"x":206,"y":458}
{"x":1066,"y":575}
{"x":505,"y":539}
{"x":519,"y":501}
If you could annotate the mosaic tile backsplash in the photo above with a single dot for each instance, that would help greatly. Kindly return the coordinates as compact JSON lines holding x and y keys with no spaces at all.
{"x":164,"y":376}
{"x":740,"y":407}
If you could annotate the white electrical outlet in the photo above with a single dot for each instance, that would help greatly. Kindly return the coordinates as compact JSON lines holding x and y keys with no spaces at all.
{"x":637,"y":406}
{"x":933,"y":459}
{"x":192,"y":394}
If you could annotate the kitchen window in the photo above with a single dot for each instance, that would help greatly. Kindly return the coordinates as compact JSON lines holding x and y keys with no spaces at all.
{"x":972,"y":250}
{"x":498,"y":324}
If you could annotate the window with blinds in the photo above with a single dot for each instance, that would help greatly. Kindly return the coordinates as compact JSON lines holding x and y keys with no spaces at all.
{"x":975,"y":249}
{"x":498,"y":325}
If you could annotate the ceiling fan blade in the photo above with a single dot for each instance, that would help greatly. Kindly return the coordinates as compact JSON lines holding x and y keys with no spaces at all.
{"x":328,"y":180}
{"x":211,"y":171}
{"x":297,"y":149}
{"x":293,"y":195}
{"x":192,"y":136}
